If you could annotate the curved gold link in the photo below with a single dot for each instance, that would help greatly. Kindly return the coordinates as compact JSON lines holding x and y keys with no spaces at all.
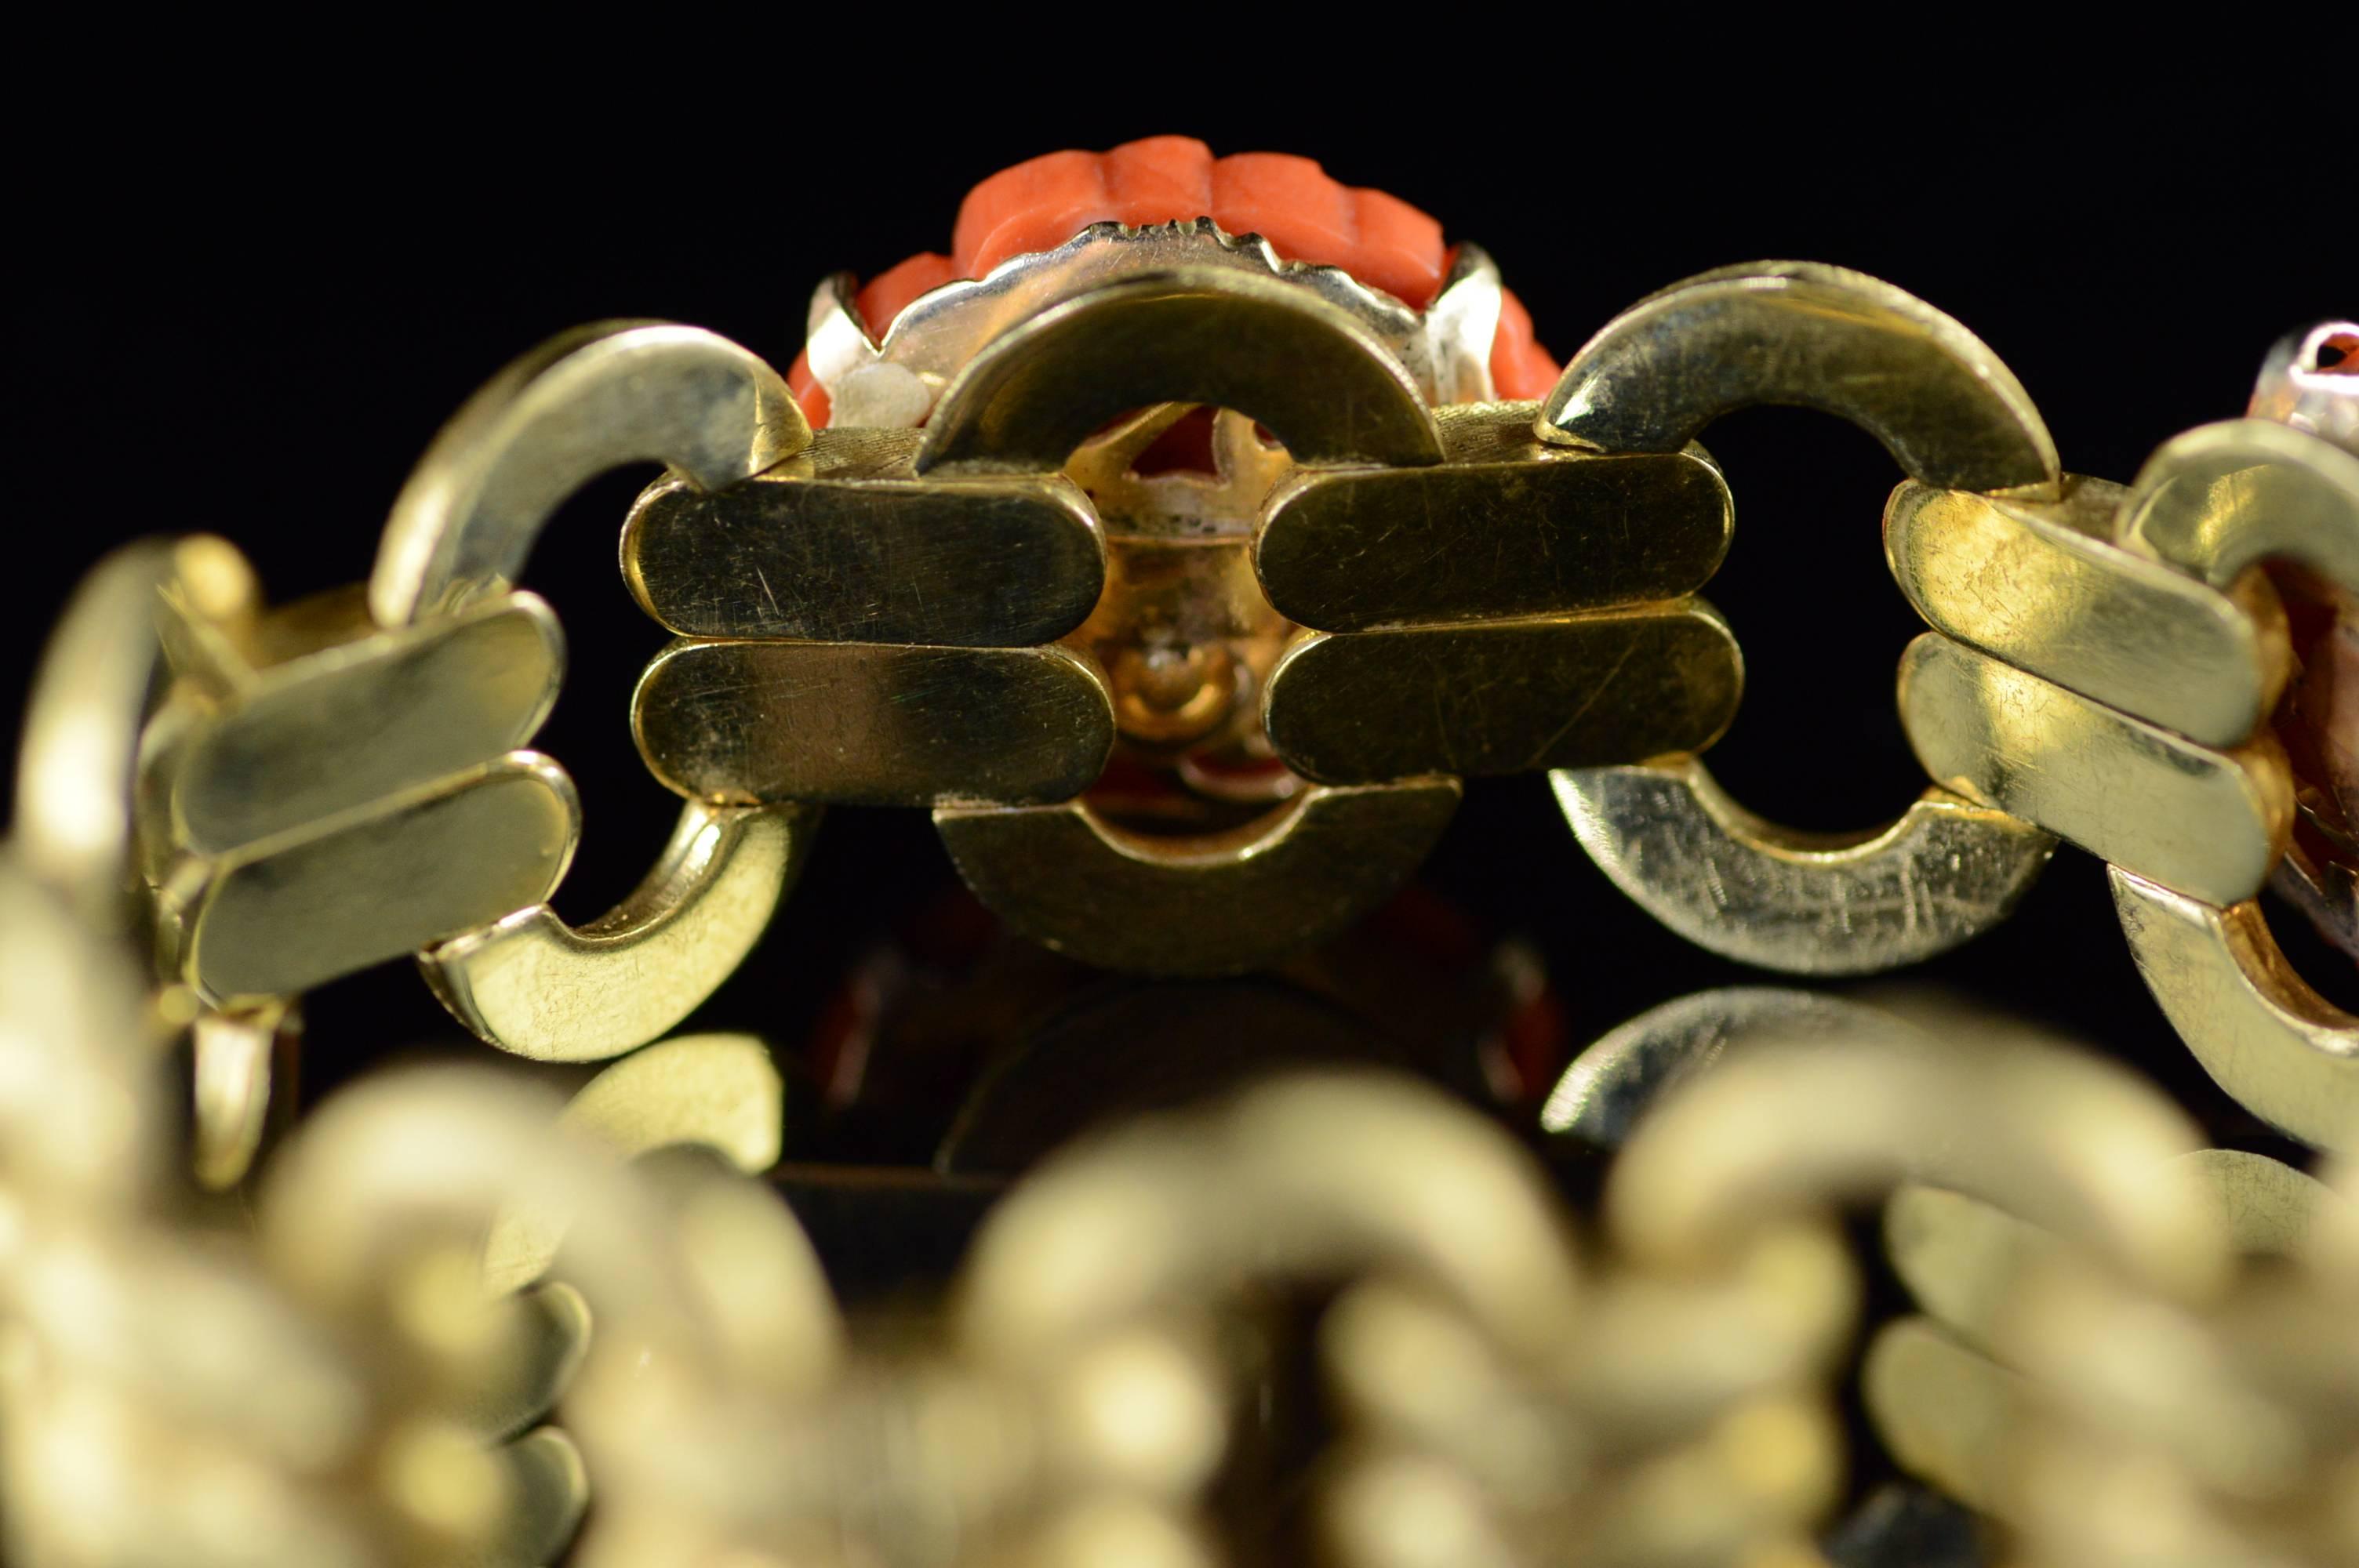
{"x":1199,"y":906}
{"x":2223,"y":497}
{"x":2216,"y":501}
{"x":1813,"y":903}
{"x":535,"y":986}
{"x":1954,"y":417}
{"x":1822,"y":337}
{"x":2285,"y":1053}
{"x":1320,"y":381}
{"x":587,"y":400}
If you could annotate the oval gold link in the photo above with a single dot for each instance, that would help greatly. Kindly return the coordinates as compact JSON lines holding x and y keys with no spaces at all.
{"x":1507,"y":527}
{"x":555,"y":993}
{"x":2043,"y":587}
{"x":2208,"y":823}
{"x":1949,"y":1414}
{"x":1954,"y":417}
{"x":2226,"y":496}
{"x":872,"y":724}
{"x":1204,"y":906}
{"x":587,"y":400}
{"x":281,"y":916}
{"x":549,"y":1488}
{"x":2285,"y":1053}
{"x":1503,"y":696}
{"x":1813,"y":903}
{"x":1820,"y":336}
{"x":440,"y":698}
{"x":846,"y":544}
{"x":1316,"y":377}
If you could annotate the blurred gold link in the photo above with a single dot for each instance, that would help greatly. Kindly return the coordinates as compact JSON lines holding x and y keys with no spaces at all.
{"x":2111,"y":1427}
{"x":1954,"y":417}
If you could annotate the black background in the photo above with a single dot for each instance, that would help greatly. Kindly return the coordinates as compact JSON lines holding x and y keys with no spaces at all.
{"x":266,"y":271}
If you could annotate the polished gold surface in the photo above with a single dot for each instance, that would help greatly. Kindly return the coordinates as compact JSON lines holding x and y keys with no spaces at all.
{"x":846,"y":543}
{"x":1504,"y":696}
{"x":235,"y":1056}
{"x":1192,"y":906}
{"x":1953,"y":417}
{"x":281,"y":916}
{"x":1508,"y":526}
{"x":582,"y":403}
{"x":871,"y":724}
{"x":2223,"y":497}
{"x":1321,"y":382}
{"x":585,"y":401}
{"x":1803,"y":902}
{"x":1950,"y":413}
{"x":2287,"y":1052}
{"x":440,"y":698}
{"x":2205,"y":822}
{"x":436,"y":1318}
{"x":2042,"y":587}
{"x":535,"y":986}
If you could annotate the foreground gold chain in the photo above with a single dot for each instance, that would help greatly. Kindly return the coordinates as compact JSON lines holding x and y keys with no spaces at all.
{"x":2133,"y":1349}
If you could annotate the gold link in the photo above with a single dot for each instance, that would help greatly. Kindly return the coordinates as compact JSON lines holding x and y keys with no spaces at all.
{"x":1822,"y":337}
{"x":872,"y":724}
{"x":282,"y":916}
{"x":2285,"y":1053}
{"x":1804,"y":902}
{"x":1956,"y":417}
{"x":440,"y":698}
{"x":1318,"y":378}
{"x":2223,"y":497}
{"x":2208,"y":823}
{"x":556,"y":993}
{"x":846,"y":544}
{"x":77,"y":764}
{"x":1504,"y":696}
{"x":1197,"y":906}
{"x":585,"y":402}
{"x":2042,"y":586}
{"x":1508,"y":526}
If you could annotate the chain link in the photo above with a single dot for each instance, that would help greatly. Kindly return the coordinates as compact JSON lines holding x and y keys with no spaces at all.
{"x":458,"y":1313}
